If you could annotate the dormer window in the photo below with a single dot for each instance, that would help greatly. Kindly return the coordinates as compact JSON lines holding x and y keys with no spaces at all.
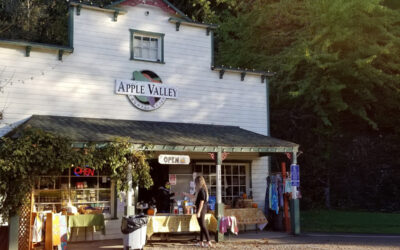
{"x":147,"y":46}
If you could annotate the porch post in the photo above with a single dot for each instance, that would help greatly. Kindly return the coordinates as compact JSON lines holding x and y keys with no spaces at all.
{"x":295,"y":205}
{"x":220,"y":207}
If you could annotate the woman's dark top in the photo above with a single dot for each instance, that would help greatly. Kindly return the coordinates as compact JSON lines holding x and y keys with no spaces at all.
{"x":202,"y":196}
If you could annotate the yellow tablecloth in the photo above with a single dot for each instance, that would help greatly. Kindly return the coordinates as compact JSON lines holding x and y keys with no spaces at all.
{"x":178,"y":223}
{"x":247,"y":215}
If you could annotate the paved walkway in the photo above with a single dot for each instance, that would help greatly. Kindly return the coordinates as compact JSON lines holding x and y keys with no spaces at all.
{"x":264,"y":240}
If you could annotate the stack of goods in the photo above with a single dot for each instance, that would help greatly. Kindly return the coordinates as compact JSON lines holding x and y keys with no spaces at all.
{"x":243,"y":202}
{"x":85,"y":209}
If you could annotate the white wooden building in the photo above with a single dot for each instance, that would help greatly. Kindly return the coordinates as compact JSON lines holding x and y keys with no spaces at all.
{"x":128,"y":41}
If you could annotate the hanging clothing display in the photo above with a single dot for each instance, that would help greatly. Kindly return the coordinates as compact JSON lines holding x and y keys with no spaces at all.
{"x":288,"y":186}
{"x":38,"y":228}
{"x":266,"y":207}
{"x":274,"y":202}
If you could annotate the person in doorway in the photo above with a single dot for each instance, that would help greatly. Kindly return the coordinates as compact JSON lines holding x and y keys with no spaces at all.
{"x":201,"y":206}
{"x":164,"y":198}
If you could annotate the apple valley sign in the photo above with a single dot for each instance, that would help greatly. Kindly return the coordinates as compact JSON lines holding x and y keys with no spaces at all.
{"x":148,"y":93}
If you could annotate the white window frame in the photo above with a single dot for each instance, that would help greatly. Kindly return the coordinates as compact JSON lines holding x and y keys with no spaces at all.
{"x":150,"y":35}
{"x":210,"y":178}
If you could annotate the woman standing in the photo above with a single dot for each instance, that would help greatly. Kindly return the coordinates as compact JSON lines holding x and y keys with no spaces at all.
{"x":201,"y":205}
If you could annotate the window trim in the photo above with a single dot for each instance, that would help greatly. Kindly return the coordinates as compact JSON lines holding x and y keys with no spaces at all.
{"x":247,"y":165}
{"x":146,"y":33}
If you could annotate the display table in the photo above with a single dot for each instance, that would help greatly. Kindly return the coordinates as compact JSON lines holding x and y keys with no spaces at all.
{"x":85,"y":221}
{"x":246,"y":216}
{"x":172,"y":223}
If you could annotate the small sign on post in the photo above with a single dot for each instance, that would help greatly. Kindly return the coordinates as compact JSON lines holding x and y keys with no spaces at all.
{"x":295,"y":175}
{"x":172,"y":179}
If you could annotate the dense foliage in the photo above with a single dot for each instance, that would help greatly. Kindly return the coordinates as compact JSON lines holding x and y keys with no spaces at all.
{"x":337,"y":81}
{"x":44,"y":21}
{"x":336,"y":91}
{"x":35,"y":153}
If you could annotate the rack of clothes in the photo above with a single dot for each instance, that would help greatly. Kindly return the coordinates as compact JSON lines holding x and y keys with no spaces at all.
{"x":277,"y":187}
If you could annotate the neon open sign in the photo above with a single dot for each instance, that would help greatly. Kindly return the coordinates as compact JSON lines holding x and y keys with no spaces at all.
{"x":83,"y":171}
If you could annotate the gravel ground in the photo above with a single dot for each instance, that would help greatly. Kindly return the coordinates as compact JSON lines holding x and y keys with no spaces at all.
{"x":265,"y":241}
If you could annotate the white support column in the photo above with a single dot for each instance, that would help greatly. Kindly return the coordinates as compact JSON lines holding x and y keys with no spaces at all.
{"x":220,"y":206}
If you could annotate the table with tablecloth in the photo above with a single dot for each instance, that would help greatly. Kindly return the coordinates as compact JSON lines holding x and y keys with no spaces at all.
{"x":87,"y":220}
{"x":247,"y":216}
{"x":172,"y":223}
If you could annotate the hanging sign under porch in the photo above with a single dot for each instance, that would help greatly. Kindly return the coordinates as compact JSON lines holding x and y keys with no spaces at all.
{"x":174,"y":159}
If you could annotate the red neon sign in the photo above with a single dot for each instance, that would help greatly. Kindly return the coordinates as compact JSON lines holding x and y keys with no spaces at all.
{"x":83,"y":171}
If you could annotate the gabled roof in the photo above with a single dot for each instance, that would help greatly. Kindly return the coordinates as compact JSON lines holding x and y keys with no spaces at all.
{"x":163,"y":135}
{"x":163,"y":4}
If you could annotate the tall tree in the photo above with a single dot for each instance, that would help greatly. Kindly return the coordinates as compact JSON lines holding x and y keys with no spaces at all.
{"x":337,"y":71}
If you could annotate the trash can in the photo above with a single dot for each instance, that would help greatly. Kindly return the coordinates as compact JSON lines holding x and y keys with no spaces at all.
{"x":134,"y":229}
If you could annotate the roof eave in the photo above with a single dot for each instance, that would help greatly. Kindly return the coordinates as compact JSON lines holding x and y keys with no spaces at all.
{"x":192,"y":23}
{"x":104,"y":9}
{"x":245,"y":70}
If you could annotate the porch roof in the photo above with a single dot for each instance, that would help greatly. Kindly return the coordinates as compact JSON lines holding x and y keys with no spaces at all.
{"x":164,"y":136}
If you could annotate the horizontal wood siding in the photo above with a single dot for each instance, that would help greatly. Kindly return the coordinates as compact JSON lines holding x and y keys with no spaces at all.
{"x":259,"y":173}
{"x":82,"y":84}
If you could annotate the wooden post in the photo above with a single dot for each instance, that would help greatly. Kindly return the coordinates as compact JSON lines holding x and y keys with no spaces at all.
{"x":220,"y":206}
{"x":295,"y":205}
{"x":286,"y":199}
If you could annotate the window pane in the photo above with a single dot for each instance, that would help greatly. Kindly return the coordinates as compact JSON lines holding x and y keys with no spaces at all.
{"x":137,"y":52}
{"x":146,"y":53}
{"x":146,"y":42}
{"x":242,"y":170}
{"x":235,"y":191}
{"x":242,"y":180}
{"x":137,"y":41}
{"x":228,"y":170}
{"x":207,"y":179}
{"x":235,"y":180}
{"x":229,"y":180}
{"x":213,"y":180}
{"x":153,"y":54}
{"x":235,"y":170}
{"x":213,"y":190}
{"x":229,"y":191}
{"x":154,"y":43}
{"x":198,"y":169}
{"x":206,"y":169}
{"x":213,"y":169}
{"x":242,"y":189}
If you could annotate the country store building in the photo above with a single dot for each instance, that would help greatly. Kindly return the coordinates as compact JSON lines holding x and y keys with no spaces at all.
{"x":141,"y":68}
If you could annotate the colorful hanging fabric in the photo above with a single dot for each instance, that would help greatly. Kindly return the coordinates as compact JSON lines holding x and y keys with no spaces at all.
{"x":288,"y":186}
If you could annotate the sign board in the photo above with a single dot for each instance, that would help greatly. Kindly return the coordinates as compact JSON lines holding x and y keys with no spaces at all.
{"x":174,"y":159}
{"x":295,"y":175}
{"x":172,"y":179}
{"x":142,"y":88}
{"x":146,"y":91}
